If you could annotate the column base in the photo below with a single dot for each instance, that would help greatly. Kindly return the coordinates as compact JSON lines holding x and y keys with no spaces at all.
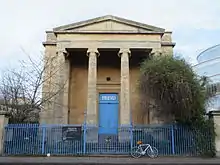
{"x":91,"y":120}
{"x":218,"y":154}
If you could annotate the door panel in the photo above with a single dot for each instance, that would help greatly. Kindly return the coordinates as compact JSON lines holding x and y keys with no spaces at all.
{"x":108,"y":113}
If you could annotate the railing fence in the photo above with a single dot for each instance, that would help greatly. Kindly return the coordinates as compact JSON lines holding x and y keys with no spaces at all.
{"x":33,"y":139}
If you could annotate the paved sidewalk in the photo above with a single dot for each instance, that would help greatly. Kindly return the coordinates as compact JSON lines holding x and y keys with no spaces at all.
{"x":105,"y":160}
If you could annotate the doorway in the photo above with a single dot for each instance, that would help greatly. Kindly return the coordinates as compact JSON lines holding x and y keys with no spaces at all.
{"x":108,"y":113}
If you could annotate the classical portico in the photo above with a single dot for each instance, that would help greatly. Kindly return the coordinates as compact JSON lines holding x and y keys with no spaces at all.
{"x":96,"y":69}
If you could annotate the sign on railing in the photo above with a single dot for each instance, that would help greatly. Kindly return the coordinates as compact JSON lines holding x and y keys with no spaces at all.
{"x":72,"y":133}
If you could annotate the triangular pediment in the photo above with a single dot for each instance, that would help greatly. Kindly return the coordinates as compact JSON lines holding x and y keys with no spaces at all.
{"x":109,"y":24}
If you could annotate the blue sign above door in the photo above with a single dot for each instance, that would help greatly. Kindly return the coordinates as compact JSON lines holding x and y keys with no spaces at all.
{"x":108,"y":98}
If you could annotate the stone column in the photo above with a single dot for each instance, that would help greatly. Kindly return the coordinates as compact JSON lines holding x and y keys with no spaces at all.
{"x":66,"y":72}
{"x":125,"y":111}
{"x":61,"y":88}
{"x":3,"y":123}
{"x":91,"y":117}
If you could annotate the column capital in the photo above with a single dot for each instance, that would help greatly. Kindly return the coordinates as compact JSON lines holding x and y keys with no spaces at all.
{"x":124,"y":50}
{"x":66,"y":53}
{"x":4,"y":113}
{"x":62,"y":51}
{"x":93,"y":50}
{"x":156,"y":51}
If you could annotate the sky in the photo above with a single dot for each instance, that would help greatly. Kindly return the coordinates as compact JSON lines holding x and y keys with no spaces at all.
{"x":195,"y":24}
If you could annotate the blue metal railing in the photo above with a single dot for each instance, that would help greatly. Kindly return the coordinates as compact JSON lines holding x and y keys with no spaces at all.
{"x":33,"y":139}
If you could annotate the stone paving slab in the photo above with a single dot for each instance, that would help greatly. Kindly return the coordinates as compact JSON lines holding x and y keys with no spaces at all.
{"x":105,"y":160}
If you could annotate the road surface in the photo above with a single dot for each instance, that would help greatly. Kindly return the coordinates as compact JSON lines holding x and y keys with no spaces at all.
{"x":106,"y":161}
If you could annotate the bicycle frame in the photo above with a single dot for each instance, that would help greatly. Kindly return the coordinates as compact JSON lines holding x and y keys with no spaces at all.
{"x":143,"y":152}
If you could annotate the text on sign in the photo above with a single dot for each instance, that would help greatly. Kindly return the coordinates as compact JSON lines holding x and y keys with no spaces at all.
{"x":108,"y":98}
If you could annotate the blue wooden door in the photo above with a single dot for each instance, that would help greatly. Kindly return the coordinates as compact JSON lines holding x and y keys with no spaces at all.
{"x":108,"y":113}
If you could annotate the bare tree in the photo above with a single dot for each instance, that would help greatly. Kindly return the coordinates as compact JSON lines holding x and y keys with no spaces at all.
{"x":21,"y":88}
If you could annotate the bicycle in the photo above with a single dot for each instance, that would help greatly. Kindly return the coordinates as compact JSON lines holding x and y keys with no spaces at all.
{"x":138,"y":151}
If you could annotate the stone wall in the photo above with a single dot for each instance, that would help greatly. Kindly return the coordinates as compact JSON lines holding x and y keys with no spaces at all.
{"x":216,"y":118}
{"x":3,"y":122}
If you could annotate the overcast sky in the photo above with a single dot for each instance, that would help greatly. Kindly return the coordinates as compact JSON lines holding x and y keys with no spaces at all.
{"x":195,"y":23}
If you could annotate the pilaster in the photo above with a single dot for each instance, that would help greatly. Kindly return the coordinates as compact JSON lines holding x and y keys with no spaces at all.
{"x":3,"y":123}
{"x":57,"y":89}
{"x":216,"y":119}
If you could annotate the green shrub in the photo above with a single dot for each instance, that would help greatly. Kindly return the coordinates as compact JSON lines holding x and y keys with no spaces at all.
{"x":179,"y":95}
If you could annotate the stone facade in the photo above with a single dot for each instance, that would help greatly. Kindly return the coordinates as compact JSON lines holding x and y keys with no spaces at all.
{"x":3,"y":123}
{"x":100,"y":55}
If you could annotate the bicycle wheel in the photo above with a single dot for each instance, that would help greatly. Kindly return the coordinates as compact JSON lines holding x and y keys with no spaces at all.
{"x":136,"y":152}
{"x":152,"y":152}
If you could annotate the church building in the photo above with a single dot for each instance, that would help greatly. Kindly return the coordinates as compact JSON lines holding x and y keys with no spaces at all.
{"x":92,"y":71}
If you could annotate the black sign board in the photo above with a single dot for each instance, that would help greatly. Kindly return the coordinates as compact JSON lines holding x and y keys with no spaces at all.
{"x":72,"y":132}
